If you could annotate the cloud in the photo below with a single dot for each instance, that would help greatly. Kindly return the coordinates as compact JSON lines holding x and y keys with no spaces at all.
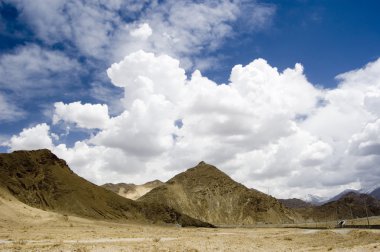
{"x":31,"y":69}
{"x":31,"y":75}
{"x":77,"y":39}
{"x":191,"y":39}
{"x":372,"y":102}
{"x":265,"y":128}
{"x":143,"y":74}
{"x":90,"y":161}
{"x":33,"y":138}
{"x":9,"y":111}
{"x":316,"y":153}
{"x":86,"y":24}
{"x":108,"y":30}
{"x":346,"y":122}
{"x":256,"y":15}
{"x":366,"y":142}
{"x":87,"y":160}
{"x":86,"y":115}
{"x":143,"y":32}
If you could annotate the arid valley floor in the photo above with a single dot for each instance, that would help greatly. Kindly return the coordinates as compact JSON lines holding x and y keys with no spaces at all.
{"x":23,"y":228}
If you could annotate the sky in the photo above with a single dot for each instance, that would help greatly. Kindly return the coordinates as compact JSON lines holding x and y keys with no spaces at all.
{"x":283,"y":96}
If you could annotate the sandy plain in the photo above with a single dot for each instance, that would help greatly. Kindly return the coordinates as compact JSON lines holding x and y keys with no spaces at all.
{"x":23,"y":228}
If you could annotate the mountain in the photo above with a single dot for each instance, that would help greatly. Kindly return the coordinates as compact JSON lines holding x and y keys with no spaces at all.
{"x":318,"y":201}
{"x":351,"y":205}
{"x":40,"y":179}
{"x":368,"y":189}
{"x":295,"y":203}
{"x":341,"y":195}
{"x":314,"y":199}
{"x":206,"y":193}
{"x":376,"y":193}
{"x":132,"y":191}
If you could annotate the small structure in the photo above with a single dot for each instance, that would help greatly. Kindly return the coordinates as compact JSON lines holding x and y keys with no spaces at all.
{"x":341,"y":224}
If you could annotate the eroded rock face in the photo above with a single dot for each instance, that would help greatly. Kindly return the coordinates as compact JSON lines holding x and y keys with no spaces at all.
{"x":208,"y":194}
{"x":25,"y":175}
{"x":40,"y":179}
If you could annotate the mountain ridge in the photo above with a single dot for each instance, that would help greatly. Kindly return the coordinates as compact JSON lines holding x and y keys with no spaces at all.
{"x":317,"y":200}
{"x":40,"y":179}
{"x":350,"y":206}
{"x":376,"y":193}
{"x":207,"y":193}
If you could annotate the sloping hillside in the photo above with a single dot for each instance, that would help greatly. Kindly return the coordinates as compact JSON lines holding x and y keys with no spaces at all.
{"x":208,"y":194}
{"x":132,"y":191}
{"x":295,"y":203}
{"x":40,"y":179}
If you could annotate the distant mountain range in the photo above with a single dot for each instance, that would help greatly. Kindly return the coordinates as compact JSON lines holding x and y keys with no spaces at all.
{"x":350,"y":205}
{"x":314,"y":199}
{"x":317,"y":201}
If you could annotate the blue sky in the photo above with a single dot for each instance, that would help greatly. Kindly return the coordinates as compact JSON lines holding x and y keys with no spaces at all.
{"x":327,"y":37}
{"x":60,"y":52}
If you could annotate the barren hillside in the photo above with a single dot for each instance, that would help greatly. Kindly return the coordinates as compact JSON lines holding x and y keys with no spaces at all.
{"x":295,"y":203}
{"x":40,"y":179}
{"x":208,"y":194}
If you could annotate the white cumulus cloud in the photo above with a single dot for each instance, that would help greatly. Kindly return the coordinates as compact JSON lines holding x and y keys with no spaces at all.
{"x":266,"y":128}
{"x":37,"y":137}
{"x":88,"y":116}
{"x":366,"y":142}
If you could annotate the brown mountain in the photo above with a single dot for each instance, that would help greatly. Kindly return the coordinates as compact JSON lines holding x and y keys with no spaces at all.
{"x":349,"y":206}
{"x":295,"y":203}
{"x":40,"y":179}
{"x":208,"y":194}
{"x":132,"y":191}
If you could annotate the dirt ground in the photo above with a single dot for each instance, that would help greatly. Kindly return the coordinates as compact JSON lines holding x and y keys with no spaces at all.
{"x":23,"y":228}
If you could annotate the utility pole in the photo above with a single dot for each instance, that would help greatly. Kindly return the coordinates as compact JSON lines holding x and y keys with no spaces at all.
{"x":366,"y":211}
{"x":337,"y":214}
{"x":352,"y":215}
